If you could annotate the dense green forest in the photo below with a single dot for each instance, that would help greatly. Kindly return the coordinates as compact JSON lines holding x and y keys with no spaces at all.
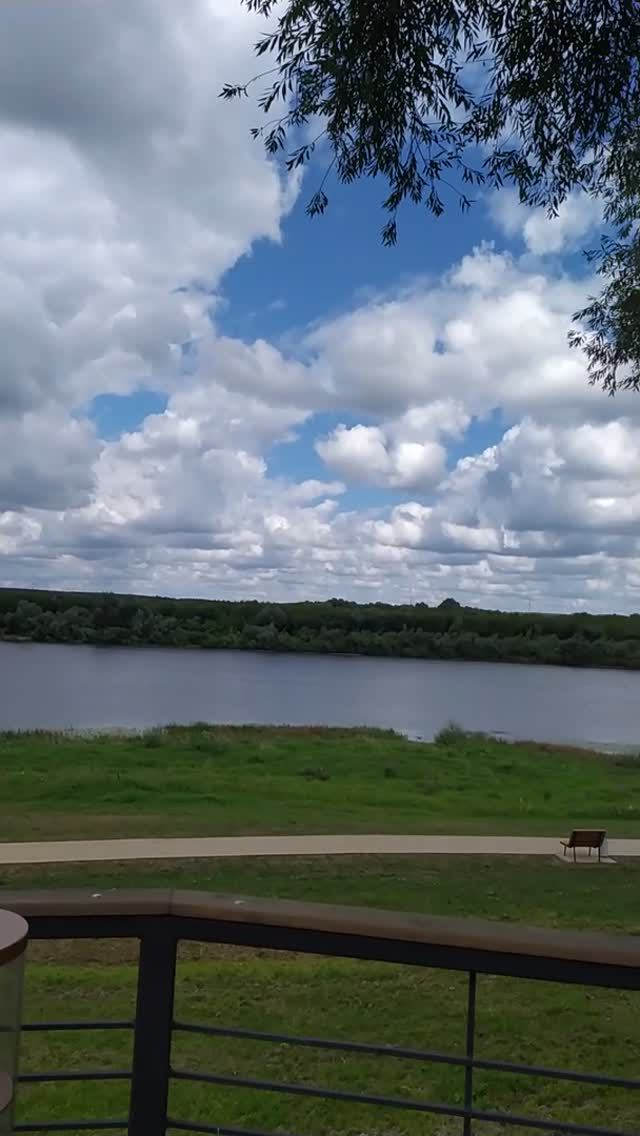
{"x":448,"y":631}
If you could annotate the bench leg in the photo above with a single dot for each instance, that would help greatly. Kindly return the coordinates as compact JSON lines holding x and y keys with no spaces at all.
{"x":565,"y":850}
{"x":574,"y":853}
{"x":598,"y":854}
{"x":590,"y":849}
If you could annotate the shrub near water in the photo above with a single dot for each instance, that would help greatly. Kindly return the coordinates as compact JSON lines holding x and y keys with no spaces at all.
{"x":452,"y":734}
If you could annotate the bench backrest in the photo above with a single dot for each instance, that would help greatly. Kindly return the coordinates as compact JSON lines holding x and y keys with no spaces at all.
{"x":587,"y":838}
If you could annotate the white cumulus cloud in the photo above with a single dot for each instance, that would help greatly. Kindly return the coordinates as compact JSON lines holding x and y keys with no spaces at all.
{"x":128,"y":191}
{"x":577,"y":217}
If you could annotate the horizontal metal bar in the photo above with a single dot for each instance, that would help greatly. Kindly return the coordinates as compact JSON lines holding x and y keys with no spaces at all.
{"x":70,"y":1125}
{"x":98,"y":1075}
{"x":310,"y":940}
{"x":45,"y":1027}
{"x":405,"y":1103}
{"x":92,"y":926}
{"x":217,"y":1130}
{"x":432,"y":1056}
{"x":311,"y":1091}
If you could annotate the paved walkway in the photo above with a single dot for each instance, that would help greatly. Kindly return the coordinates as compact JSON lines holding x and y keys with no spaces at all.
{"x":205,"y":847}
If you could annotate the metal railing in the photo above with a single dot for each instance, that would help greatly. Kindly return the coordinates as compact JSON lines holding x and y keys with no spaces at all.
{"x":162,"y":919}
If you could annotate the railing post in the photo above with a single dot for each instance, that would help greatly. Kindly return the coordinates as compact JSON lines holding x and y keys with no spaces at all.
{"x":152,"y":1038}
{"x":471,"y":1037}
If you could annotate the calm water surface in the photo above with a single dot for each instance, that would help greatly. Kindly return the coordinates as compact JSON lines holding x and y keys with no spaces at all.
{"x":56,"y":686}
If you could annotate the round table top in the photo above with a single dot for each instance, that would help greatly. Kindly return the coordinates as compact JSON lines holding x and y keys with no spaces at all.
{"x":6,"y":1091}
{"x":13,"y":936}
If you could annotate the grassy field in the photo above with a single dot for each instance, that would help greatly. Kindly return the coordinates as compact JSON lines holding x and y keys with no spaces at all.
{"x":517,"y":1020}
{"x":204,"y":780}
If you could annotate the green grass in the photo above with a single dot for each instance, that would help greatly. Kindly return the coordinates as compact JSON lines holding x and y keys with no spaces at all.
{"x":517,"y":1020}
{"x":208,"y":780}
{"x":519,"y":888}
{"x":344,"y":1000}
{"x":219,"y":780}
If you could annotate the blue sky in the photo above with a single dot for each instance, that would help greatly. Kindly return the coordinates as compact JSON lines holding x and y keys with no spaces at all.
{"x":204,"y":392}
{"x":321,"y":267}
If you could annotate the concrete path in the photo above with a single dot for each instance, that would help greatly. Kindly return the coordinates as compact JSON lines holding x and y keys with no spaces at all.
{"x":205,"y":847}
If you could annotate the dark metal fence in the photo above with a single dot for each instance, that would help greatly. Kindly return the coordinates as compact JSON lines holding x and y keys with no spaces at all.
{"x":161,"y":919}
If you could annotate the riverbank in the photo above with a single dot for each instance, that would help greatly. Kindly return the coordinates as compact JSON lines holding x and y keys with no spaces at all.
{"x":213,"y":781}
{"x":286,"y":651}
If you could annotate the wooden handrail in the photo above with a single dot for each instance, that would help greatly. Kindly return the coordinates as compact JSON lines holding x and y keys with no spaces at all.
{"x":500,"y":938}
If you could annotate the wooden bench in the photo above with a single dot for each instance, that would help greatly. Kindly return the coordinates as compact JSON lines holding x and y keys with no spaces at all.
{"x":585,"y":838}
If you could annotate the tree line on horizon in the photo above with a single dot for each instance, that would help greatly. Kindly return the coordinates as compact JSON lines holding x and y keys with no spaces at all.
{"x":448,"y":631}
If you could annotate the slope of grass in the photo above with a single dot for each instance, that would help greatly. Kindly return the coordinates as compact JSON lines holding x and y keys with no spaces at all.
{"x":209,"y":780}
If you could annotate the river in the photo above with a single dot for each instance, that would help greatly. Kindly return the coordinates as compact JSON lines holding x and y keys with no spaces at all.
{"x":54,"y":686}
